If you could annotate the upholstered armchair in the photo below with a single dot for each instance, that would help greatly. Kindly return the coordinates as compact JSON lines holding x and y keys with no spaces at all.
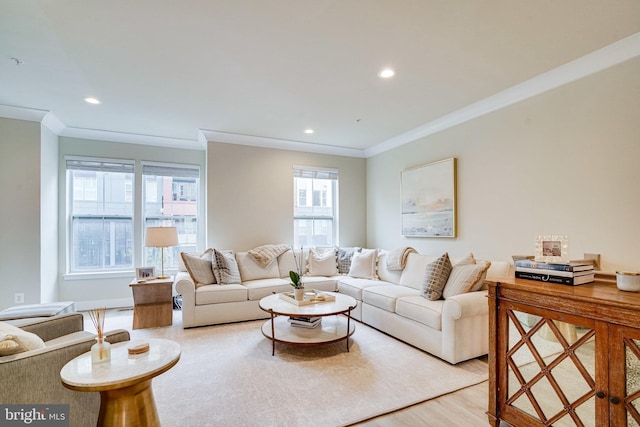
{"x":33,"y":376}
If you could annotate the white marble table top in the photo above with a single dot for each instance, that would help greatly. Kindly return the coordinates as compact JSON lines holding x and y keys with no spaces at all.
{"x":276,"y":304}
{"x":124,"y":369}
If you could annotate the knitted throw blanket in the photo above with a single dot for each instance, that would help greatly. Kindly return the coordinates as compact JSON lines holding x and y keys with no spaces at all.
{"x":264,"y":255}
{"x":397,"y":258}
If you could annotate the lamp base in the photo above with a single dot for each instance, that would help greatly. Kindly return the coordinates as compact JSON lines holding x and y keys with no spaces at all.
{"x":162,"y":277}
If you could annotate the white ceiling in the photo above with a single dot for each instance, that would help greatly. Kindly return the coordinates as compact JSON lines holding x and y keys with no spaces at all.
{"x":256,"y":70}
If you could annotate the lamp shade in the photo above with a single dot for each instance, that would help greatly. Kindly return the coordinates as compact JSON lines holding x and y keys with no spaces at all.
{"x":161,"y":237}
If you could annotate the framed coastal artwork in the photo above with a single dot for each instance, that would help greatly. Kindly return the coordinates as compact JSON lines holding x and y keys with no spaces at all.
{"x":429,"y":200}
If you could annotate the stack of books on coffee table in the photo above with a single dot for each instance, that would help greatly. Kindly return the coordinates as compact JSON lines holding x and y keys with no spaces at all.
{"x":305,"y":322}
{"x":571,"y":273}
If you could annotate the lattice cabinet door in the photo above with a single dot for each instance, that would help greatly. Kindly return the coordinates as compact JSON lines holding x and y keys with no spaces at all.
{"x":550,"y":369}
{"x":624,"y":378}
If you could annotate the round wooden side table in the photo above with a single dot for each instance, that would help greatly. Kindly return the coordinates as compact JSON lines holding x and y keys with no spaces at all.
{"x":124,"y":383}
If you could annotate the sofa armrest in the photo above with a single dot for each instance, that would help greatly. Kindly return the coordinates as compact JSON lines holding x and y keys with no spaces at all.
{"x":49,"y":328}
{"x":184,"y":284}
{"x":187,"y":288}
{"x":466,"y":305}
{"x":465,"y":326}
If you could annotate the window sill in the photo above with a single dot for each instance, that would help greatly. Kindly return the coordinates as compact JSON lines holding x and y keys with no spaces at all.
{"x":99,"y":275}
{"x":109,"y":275}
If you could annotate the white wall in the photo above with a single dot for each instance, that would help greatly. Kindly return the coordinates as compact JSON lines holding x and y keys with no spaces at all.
{"x":566,"y":161}
{"x":20,"y":212}
{"x":250,"y":195}
{"x":48,"y":216}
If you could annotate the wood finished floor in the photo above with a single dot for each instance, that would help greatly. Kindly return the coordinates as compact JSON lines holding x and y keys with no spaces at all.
{"x":464,"y":407}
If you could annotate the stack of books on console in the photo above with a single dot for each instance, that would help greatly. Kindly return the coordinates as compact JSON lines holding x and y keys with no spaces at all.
{"x":305,"y":322}
{"x":571,"y":273}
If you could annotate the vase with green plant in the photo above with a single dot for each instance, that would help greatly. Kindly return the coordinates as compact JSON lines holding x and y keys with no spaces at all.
{"x":295,"y":276}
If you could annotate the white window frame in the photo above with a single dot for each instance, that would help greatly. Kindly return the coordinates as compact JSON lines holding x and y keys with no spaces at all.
{"x":310,"y":172}
{"x":73,"y":163}
{"x":182,"y":172}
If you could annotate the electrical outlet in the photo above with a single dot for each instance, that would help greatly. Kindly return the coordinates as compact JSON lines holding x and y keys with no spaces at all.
{"x":18,"y":298}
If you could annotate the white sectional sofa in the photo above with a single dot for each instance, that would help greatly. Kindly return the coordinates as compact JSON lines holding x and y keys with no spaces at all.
{"x":454,"y":329}
{"x":212,"y":304}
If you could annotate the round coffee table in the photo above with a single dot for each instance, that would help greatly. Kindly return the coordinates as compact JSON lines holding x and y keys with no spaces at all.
{"x":124,"y":383}
{"x":332,"y":328}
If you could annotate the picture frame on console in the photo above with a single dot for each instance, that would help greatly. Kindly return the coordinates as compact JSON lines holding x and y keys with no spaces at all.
{"x":145,"y":273}
{"x":429,"y":200}
{"x":552,"y":249}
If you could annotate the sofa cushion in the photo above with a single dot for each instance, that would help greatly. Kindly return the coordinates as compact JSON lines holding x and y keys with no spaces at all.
{"x":353,"y":286}
{"x":322,"y":263}
{"x":344,"y":259}
{"x":225,"y":267}
{"x":421,"y":310}
{"x":435,"y":277}
{"x":383,"y":271}
{"x":14,"y":340}
{"x":385,"y":296}
{"x":363,"y":264}
{"x":199,"y":267}
{"x":321,"y":283}
{"x":251,"y":270}
{"x":258,"y":289}
{"x":499,"y":270}
{"x":413,"y":273}
{"x":287,"y":262}
{"x":214,"y":294}
{"x":464,"y":278}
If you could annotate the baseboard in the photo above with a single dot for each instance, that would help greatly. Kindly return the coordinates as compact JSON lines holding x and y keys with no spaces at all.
{"x":108,"y":303}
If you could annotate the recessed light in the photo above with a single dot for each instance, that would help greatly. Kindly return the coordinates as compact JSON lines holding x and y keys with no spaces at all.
{"x":91,"y":100}
{"x":308,"y":131}
{"x":386,"y":73}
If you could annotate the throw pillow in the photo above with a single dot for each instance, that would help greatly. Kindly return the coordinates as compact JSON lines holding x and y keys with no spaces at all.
{"x":226,"y":268}
{"x":323,"y":264}
{"x":363,"y":264}
{"x":464,"y":278}
{"x":469,"y":259}
{"x":199,"y":267}
{"x":344,"y":259}
{"x":14,"y":340}
{"x":435,"y":277}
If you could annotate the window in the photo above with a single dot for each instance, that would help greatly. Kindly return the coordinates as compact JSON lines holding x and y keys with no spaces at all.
{"x":100,"y":214}
{"x":315,"y":224}
{"x":171,"y":199}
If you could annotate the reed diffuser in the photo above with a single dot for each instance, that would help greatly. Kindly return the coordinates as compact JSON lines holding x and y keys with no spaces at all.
{"x":101,"y":350}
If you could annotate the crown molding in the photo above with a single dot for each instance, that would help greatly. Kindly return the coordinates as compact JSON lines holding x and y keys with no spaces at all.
{"x":51,"y":122}
{"x":591,"y":63}
{"x":21,"y":113}
{"x":280,"y":144}
{"x":131,"y":138}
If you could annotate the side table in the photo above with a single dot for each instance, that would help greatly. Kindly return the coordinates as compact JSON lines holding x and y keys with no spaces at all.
{"x":152,"y":303}
{"x":124,"y":383}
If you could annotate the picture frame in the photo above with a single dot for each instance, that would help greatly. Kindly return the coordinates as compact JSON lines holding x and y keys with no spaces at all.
{"x":552,"y":249}
{"x":145,"y":273}
{"x":429,"y":200}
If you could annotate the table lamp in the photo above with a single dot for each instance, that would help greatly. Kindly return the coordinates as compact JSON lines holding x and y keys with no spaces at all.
{"x":161,"y":237}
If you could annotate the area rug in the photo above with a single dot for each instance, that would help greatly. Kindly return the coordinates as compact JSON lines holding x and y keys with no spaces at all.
{"x":227,"y":376}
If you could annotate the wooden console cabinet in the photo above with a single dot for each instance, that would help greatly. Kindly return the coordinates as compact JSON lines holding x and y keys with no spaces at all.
{"x":563,"y":355}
